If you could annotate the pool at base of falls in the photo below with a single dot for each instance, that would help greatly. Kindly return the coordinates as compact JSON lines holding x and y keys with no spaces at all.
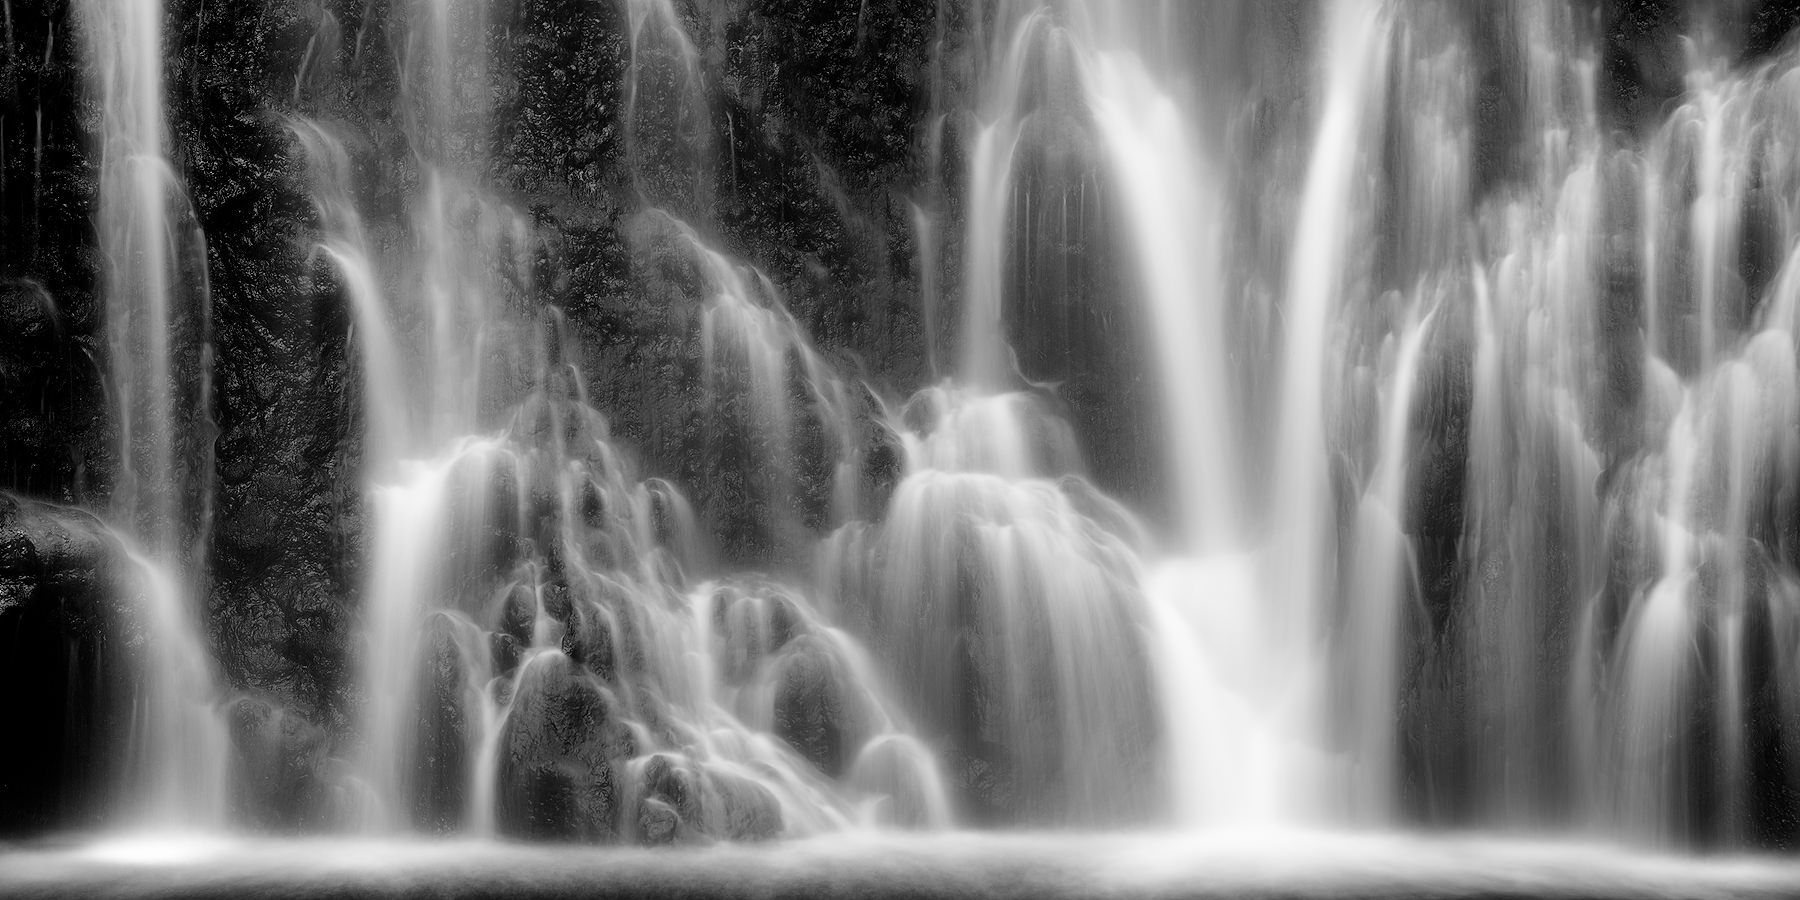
{"x":1271,"y":863}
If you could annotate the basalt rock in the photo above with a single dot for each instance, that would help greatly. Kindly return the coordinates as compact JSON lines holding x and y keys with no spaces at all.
{"x":685,"y":802}
{"x":740,"y":809}
{"x":441,"y":752}
{"x":280,"y":779}
{"x":559,"y":750}
{"x":65,"y":642}
{"x":813,"y":711}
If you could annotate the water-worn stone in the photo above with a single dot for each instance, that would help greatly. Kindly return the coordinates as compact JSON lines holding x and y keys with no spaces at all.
{"x":589,"y":641}
{"x":740,"y":809}
{"x":813,"y":712}
{"x":658,"y":823}
{"x":684,"y":801}
{"x":559,"y":749}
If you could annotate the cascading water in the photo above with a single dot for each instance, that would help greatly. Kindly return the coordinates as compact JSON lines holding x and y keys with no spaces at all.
{"x":160,"y":362}
{"x":1355,"y":419}
{"x":539,"y":660}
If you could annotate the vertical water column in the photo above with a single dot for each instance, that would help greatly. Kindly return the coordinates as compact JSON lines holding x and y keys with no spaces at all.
{"x":387,"y":411}
{"x":1381,"y":582}
{"x":457,"y":230}
{"x":429,"y":389}
{"x":1401,"y":351}
{"x":1687,"y":660}
{"x":1228,"y":746}
{"x":668,"y":130}
{"x":1005,"y":588}
{"x":1533,"y":520}
{"x":1168,"y":180}
{"x":159,"y":357}
{"x":1323,"y":268}
{"x":1000,"y":117}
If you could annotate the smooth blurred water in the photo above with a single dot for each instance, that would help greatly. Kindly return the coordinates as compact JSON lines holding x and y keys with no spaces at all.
{"x":1471,"y":499}
{"x":952,"y":864}
{"x":153,"y":286}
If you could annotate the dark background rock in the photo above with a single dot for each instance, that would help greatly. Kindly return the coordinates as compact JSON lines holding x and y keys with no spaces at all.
{"x":52,"y":412}
{"x":66,"y":635}
{"x":560,"y":751}
{"x":280,"y":771}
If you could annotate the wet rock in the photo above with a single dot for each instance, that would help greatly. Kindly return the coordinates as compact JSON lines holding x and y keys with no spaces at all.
{"x":558,"y":603}
{"x":741,"y":809}
{"x":279,"y":779}
{"x":675,"y":783}
{"x":683,"y":801}
{"x":506,"y":651}
{"x":440,"y":761}
{"x":658,"y":823}
{"x":589,"y":641}
{"x":784,"y":622}
{"x":750,"y":624}
{"x":66,"y":638}
{"x":811,"y":709}
{"x":592,"y":504}
{"x":559,"y":749}
{"x":28,"y":315}
{"x":517,"y":613}
{"x":987,"y":781}
{"x":63,"y":549}
{"x":543,"y":804}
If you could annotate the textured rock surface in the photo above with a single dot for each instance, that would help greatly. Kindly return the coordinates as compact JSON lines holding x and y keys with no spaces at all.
{"x":559,"y":755}
{"x":65,"y":647}
{"x":282,"y":780}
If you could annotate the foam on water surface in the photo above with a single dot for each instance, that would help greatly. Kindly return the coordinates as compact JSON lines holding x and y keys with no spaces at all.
{"x":1253,"y":862}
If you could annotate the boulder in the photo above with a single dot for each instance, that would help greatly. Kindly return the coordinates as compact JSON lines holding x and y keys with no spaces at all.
{"x":563,"y":801}
{"x":559,"y":749}
{"x":674,"y":781}
{"x":816,"y":712}
{"x":740,"y":809}
{"x":682,"y":801}
{"x":518,"y":613}
{"x":65,"y":551}
{"x":506,"y":652}
{"x":589,"y":640}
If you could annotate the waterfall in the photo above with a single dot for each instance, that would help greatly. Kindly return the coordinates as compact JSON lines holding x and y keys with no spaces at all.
{"x":159,"y":357}
{"x":541,"y":656}
{"x":1215,"y":417}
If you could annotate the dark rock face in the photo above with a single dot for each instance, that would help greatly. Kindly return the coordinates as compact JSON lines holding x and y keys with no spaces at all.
{"x":811,"y":710}
{"x":52,"y":412}
{"x":284,"y":554}
{"x":441,"y":755}
{"x":281,"y":777}
{"x":559,"y":751}
{"x":685,"y":802}
{"x":65,"y":644}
